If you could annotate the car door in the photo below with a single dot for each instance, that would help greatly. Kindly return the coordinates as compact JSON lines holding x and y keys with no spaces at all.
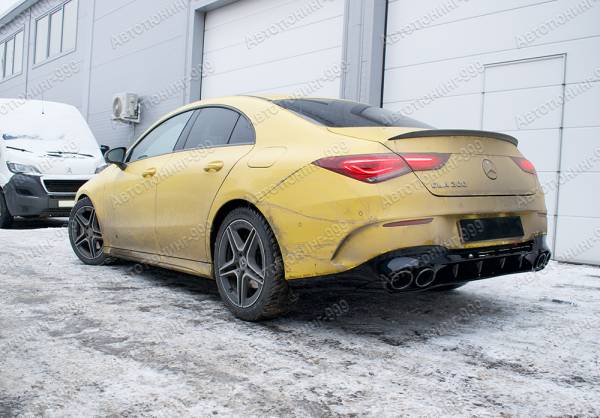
{"x":131,"y":197}
{"x":218,"y":139}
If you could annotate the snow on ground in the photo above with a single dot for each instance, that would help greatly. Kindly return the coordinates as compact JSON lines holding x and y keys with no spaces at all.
{"x":127,"y":341}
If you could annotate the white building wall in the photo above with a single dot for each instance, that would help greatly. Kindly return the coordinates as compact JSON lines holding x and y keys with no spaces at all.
{"x":140,"y":47}
{"x":15,"y":86}
{"x":57,"y":79}
{"x":529,"y":68}
{"x":273,"y":46}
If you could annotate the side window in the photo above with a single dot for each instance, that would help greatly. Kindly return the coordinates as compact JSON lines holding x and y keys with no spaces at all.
{"x":11,"y":56}
{"x":56,"y":32}
{"x":212,"y":128}
{"x":162,"y":139}
{"x":243,"y":132}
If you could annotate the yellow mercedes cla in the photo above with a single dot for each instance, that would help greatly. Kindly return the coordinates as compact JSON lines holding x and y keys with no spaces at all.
{"x":258,"y":191}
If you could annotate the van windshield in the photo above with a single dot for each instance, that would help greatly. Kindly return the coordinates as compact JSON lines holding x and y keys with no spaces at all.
{"x":347,"y":114}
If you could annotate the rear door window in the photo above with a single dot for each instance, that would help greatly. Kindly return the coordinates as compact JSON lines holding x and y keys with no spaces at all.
{"x":243,"y":132}
{"x":213,"y":127}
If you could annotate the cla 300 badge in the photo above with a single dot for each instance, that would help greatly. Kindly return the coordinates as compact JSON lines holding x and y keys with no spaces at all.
{"x":450,"y":185}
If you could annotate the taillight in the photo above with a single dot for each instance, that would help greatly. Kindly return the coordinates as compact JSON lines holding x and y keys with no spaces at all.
{"x":426,"y":162}
{"x":371,"y":168}
{"x":524,"y":164}
{"x":375,"y":168}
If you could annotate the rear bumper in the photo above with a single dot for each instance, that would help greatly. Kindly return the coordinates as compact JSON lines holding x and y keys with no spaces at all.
{"x":420,"y":268}
{"x":335,"y":247}
{"x":26,"y":196}
{"x":327,"y":224}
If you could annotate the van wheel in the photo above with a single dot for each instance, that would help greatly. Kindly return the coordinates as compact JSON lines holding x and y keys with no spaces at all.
{"x":85,"y":234}
{"x":6,"y":219}
{"x":249,"y":268}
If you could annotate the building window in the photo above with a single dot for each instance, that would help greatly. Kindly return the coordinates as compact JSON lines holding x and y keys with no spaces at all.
{"x":11,"y":55}
{"x":56,"y":32}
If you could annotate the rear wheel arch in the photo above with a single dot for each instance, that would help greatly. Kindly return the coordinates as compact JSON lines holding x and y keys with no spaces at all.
{"x":222,"y":213}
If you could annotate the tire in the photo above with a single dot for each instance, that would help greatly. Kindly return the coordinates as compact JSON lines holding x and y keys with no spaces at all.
{"x":6,"y":219}
{"x":447,"y":288}
{"x":85,"y":234}
{"x":245,"y":250}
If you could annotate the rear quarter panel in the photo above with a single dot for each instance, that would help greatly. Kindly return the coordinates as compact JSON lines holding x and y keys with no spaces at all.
{"x":286,"y":146}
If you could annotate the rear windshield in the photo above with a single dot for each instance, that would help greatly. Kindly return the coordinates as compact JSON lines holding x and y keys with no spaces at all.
{"x":345,"y":114}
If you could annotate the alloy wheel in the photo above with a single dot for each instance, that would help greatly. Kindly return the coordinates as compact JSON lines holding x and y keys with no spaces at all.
{"x":241,"y":263}
{"x":86,"y":232}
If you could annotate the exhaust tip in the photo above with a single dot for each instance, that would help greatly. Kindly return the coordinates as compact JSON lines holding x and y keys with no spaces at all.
{"x":401,"y":280}
{"x":425,"y":278}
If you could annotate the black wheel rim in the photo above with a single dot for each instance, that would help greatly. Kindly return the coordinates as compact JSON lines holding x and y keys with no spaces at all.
{"x":87,"y":237}
{"x":241,"y":267}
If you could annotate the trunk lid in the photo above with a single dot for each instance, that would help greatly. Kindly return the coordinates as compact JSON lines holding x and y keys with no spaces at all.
{"x":479,"y":164}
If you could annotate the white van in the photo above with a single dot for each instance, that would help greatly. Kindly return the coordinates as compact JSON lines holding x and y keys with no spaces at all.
{"x":47,"y":152}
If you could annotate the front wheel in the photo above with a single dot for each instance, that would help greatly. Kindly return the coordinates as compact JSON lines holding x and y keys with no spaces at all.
{"x":6,"y":218}
{"x":249,"y":267}
{"x":85,"y":234}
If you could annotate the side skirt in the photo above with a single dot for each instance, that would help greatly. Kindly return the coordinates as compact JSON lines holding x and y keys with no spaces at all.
{"x":195,"y":268}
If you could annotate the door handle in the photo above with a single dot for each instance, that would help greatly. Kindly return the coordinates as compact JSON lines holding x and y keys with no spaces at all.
{"x":149,"y":172}
{"x":214,"y":166}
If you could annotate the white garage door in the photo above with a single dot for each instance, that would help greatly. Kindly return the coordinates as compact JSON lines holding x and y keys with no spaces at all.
{"x":524,"y":98}
{"x":274,"y":46}
{"x":494,"y":65}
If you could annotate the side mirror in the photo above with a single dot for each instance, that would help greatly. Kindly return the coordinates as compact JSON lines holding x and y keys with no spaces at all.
{"x":104,"y":149}
{"x":117,"y":156}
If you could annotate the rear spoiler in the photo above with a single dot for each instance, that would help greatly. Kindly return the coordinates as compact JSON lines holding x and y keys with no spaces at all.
{"x":457,"y":132}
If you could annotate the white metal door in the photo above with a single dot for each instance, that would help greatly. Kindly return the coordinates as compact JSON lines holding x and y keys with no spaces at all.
{"x":274,"y":46}
{"x":525,"y":98}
